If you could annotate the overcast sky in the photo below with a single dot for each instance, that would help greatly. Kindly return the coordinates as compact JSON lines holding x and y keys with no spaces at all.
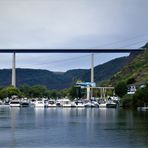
{"x":70,"y":24}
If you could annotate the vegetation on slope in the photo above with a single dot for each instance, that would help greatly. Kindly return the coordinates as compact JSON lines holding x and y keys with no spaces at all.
{"x":135,"y":72}
{"x":139,"y":99}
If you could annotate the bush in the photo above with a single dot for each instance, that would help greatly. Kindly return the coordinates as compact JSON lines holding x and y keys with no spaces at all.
{"x":141,"y":97}
{"x":9,"y":92}
{"x":127,"y":101}
{"x":131,"y":81}
{"x":121,"y":89}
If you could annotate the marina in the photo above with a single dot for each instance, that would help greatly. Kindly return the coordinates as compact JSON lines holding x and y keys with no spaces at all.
{"x":45,"y":103}
{"x":73,"y":74}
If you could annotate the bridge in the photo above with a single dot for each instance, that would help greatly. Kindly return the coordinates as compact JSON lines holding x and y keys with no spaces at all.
{"x":92,"y":51}
{"x":69,"y":50}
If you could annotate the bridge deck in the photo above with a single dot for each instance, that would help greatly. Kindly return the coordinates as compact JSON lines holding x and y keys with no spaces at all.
{"x":69,"y":50}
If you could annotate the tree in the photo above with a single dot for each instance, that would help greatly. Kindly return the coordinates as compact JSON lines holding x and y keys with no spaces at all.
{"x":121,"y":89}
{"x":38,"y":91}
{"x":73,"y":92}
{"x":25,"y":89}
{"x":141,"y":97}
{"x":54,"y":94}
{"x":127,"y":101}
{"x":9,"y":92}
{"x":131,"y":81}
{"x":64,"y":92}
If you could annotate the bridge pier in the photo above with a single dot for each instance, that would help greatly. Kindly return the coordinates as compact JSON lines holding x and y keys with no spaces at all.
{"x":13,"y":82}
{"x":92,"y":75}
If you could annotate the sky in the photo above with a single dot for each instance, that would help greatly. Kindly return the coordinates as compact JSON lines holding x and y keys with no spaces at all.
{"x":70,"y":24}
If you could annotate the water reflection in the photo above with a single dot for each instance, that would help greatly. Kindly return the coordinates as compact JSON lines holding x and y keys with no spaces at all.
{"x":39,"y":117}
{"x":14,"y":112}
{"x":72,"y":127}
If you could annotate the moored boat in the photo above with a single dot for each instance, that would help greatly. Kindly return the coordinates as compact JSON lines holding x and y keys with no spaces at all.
{"x":79,"y":104}
{"x":142,"y":108}
{"x":15,"y":103}
{"x":25,"y":103}
{"x":91,"y":103}
{"x":39,"y":103}
{"x":111,"y":104}
{"x":64,"y":103}
{"x":51,"y":103}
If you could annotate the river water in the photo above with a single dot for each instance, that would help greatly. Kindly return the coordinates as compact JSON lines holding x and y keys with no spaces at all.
{"x":72,"y":128}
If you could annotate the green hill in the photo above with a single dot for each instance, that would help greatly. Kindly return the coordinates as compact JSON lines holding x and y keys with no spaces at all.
{"x":136,"y":70}
{"x":57,"y":80}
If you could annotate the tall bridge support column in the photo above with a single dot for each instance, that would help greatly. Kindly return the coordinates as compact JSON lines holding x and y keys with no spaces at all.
{"x":92,"y":73}
{"x":92,"y":67}
{"x":13,"y":83}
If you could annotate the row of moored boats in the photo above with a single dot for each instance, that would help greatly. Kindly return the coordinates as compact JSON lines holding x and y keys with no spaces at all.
{"x":61,"y":103}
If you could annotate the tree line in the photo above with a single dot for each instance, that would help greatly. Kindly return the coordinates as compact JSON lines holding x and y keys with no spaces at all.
{"x":40,"y":91}
{"x":138,"y":99}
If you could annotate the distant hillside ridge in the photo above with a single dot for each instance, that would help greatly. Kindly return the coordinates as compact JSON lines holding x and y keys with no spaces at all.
{"x":61,"y":80}
{"x":135,"y":71}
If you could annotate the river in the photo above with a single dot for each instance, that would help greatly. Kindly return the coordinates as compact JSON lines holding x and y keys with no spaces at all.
{"x":72,"y":128}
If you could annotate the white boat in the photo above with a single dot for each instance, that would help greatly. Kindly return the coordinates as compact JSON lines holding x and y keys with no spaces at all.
{"x":15,"y":103}
{"x":87,"y":103}
{"x":95,"y":103}
{"x":108,"y":104}
{"x":90,"y":103}
{"x":25,"y":103}
{"x":102,"y":105}
{"x":145,"y":108}
{"x":39,"y":103}
{"x":73,"y":104}
{"x":45,"y":100}
{"x":32,"y":102}
{"x":64,"y":102}
{"x":111,"y":104}
{"x":51,"y":103}
{"x":79,"y":104}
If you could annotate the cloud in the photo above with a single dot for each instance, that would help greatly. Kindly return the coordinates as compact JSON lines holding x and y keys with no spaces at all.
{"x":53,"y":23}
{"x":72,"y":24}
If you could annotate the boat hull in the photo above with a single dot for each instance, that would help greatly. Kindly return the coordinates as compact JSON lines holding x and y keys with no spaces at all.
{"x":111,"y":105}
{"x":25,"y":104}
{"x":15,"y":105}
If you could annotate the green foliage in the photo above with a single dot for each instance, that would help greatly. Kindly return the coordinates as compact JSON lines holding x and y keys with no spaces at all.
{"x":127,"y":101}
{"x":131,"y":81}
{"x":121,"y":89}
{"x":74,"y":92}
{"x":38,"y":91}
{"x":136,"y":70}
{"x":141,"y":97}
{"x":25,"y":89}
{"x":9,"y":92}
{"x":109,"y":92}
{"x":54,"y":94}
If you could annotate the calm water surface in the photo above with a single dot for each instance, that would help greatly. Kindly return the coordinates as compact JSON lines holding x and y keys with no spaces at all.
{"x":70,"y":128}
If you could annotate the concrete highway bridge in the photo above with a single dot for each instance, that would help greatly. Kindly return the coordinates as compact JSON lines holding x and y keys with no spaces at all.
{"x":92,"y":51}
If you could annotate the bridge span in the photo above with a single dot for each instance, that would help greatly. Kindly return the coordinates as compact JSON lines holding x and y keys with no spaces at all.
{"x":69,"y":50}
{"x":14,"y":51}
